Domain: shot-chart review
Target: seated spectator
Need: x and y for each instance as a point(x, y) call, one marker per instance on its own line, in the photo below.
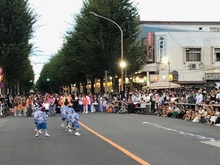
point(188, 115)
point(182, 112)
point(198, 114)
point(115, 106)
point(167, 111)
point(164, 111)
point(214, 116)
point(175, 111)
point(109, 107)
point(206, 115)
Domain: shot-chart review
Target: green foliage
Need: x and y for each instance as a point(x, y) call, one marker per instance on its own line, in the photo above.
point(16, 26)
point(94, 44)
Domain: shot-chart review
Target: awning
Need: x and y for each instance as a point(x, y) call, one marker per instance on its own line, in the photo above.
point(148, 68)
point(161, 85)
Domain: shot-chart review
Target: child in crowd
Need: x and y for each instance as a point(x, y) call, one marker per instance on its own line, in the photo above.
point(41, 121)
point(64, 110)
point(75, 121)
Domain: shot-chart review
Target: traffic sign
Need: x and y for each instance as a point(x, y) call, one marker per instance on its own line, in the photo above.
point(1, 84)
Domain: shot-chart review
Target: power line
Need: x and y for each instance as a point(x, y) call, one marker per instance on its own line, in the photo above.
point(38, 63)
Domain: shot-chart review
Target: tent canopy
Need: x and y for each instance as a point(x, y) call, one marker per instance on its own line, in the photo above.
point(161, 85)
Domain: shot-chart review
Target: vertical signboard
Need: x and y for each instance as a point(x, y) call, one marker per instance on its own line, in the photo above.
point(161, 44)
point(149, 52)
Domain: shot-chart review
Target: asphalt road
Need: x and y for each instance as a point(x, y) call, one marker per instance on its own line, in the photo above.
point(110, 139)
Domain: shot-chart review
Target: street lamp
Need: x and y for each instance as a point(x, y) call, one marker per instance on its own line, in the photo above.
point(166, 61)
point(122, 63)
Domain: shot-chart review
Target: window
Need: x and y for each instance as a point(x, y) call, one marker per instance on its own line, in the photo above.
point(193, 54)
point(217, 54)
point(214, 29)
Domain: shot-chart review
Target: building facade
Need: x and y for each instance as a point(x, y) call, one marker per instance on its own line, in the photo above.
point(192, 50)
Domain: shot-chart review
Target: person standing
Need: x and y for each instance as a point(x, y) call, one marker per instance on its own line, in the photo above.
point(80, 101)
point(75, 101)
point(85, 104)
point(51, 101)
point(29, 106)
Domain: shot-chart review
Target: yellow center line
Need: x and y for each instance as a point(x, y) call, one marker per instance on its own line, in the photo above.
point(133, 156)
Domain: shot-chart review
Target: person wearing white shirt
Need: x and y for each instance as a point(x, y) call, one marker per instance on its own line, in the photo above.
point(199, 97)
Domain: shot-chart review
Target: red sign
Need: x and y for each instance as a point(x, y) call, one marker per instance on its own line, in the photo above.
point(1, 84)
point(150, 48)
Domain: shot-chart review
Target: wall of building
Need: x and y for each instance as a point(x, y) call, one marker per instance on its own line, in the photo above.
point(176, 44)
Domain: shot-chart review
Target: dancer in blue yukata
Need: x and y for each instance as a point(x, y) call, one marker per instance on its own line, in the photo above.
point(41, 121)
point(75, 121)
point(70, 112)
point(64, 111)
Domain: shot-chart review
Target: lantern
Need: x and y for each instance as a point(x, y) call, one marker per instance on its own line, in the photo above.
point(126, 80)
point(170, 77)
point(164, 78)
point(98, 84)
point(145, 79)
point(119, 80)
point(137, 79)
point(155, 79)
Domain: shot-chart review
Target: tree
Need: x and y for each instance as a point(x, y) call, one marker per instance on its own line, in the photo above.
point(16, 26)
point(93, 44)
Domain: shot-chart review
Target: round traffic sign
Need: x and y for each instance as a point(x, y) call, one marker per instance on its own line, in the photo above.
point(1, 84)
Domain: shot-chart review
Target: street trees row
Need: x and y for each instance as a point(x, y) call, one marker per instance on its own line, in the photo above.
point(17, 21)
point(93, 46)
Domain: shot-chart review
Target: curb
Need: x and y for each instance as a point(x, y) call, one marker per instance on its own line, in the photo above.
point(7, 114)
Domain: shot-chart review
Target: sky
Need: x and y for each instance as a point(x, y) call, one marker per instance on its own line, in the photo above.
point(57, 16)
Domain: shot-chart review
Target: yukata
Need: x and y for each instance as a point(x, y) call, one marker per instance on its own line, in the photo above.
point(64, 111)
point(35, 115)
point(75, 120)
point(41, 119)
point(70, 111)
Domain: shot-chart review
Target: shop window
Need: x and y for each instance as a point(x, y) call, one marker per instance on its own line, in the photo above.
point(217, 54)
point(193, 54)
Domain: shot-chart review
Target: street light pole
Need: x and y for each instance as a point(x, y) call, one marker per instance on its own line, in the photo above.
point(122, 63)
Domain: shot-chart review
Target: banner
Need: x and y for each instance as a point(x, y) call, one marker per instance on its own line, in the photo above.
point(161, 47)
point(149, 52)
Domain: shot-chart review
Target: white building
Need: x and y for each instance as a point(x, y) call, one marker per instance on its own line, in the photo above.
point(192, 49)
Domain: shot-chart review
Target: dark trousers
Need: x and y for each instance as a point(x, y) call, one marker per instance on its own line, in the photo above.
point(152, 106)
point(29, 111)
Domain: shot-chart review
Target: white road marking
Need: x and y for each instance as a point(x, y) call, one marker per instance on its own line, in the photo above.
point(200, 137)
point(216, 144)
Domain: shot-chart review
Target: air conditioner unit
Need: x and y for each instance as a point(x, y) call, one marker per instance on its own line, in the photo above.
point(193, 66)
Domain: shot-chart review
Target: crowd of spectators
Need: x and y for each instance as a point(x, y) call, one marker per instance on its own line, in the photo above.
point(196, 105)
